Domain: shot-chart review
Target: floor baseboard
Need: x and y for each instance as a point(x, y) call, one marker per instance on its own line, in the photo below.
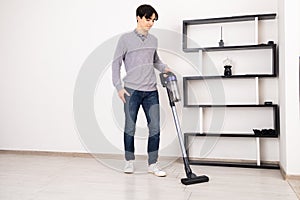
point(81, 155)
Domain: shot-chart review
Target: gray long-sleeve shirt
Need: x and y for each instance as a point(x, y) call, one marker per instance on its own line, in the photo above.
point(139, 54)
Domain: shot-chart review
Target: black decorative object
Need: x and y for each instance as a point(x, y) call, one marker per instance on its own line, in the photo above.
point(265, 133)
point(227, 70)
point(227, 67)
point(221, 43)
point(268, 103)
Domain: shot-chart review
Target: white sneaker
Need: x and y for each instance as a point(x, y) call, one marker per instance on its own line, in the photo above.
point(154, 169)
point(129, 168)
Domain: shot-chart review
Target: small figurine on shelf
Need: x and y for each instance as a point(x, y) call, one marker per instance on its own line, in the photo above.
point(221, 43)
point(227, 67)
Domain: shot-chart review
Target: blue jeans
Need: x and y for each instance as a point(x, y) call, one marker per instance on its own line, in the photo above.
point(150, 104)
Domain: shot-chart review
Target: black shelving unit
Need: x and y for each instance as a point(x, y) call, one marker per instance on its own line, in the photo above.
point(186, 79)
point(229, 19)
point(272, 47)
point(263, 165)
point(273, 74)
point(188, 135)
point(228, 135)
point(231, 48)
point(187, 23)
point(248, 164)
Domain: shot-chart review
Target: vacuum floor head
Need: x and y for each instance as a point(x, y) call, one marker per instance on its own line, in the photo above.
point(194, 180)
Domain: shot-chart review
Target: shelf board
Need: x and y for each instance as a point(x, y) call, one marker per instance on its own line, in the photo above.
point(225, 77)
point(234, 164)
point(234, 105)
point(229, 135)
point(231, 48)
point(230, 19)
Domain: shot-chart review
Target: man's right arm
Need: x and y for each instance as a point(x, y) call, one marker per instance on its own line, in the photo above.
point(116, 69)
point(117, 63)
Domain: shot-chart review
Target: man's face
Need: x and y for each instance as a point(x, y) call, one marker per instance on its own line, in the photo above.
point(146, 24)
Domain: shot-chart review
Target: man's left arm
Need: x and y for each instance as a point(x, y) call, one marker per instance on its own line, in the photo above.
point(159, 65)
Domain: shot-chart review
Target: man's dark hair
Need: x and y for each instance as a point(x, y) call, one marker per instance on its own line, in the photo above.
point(146, 11)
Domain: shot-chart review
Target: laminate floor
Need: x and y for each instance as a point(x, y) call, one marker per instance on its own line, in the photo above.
point(42, 177)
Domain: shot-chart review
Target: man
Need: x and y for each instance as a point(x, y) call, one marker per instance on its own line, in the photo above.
point(138, 51)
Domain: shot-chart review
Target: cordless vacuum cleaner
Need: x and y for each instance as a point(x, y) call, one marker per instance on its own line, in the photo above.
point(169, 81)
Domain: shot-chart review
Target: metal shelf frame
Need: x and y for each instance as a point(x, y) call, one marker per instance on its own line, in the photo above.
point(187, 23)
point(273, 74)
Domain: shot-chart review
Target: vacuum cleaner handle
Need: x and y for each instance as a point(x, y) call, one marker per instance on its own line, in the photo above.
point(169, 81)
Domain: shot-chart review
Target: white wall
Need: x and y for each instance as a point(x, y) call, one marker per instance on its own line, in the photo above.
point(289, 42)
point(44, 44)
